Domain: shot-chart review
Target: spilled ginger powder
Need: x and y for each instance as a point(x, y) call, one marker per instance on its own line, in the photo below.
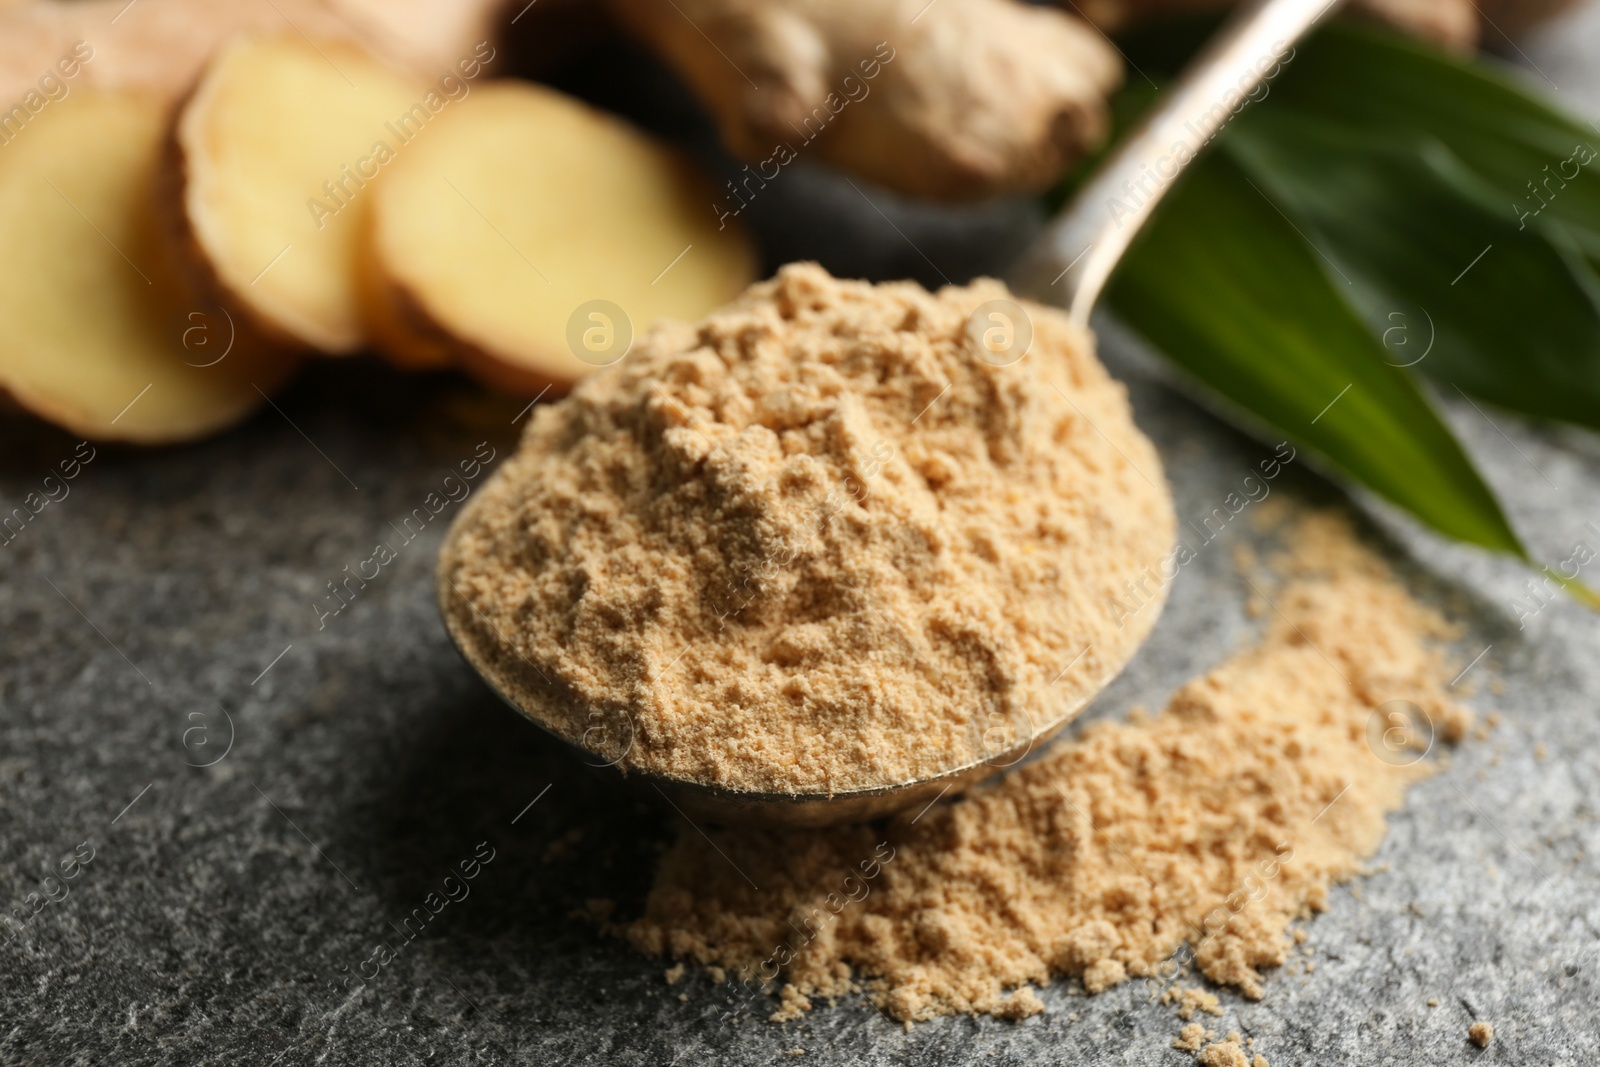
point(817, 543)
point(1214, 825)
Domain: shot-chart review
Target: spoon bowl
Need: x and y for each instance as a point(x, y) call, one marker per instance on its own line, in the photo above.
point(704, 802)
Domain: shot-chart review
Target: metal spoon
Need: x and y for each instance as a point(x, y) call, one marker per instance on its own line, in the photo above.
point(1073, 259)
point(1068, 267)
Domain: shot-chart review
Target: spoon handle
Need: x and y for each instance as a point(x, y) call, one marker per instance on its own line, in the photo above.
point(1072, 260)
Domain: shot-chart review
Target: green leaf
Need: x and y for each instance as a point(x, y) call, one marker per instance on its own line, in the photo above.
point(1447, 284)
point(1227, 289)
point(1332, 238)
point(1389, 86)
point(1329, 145)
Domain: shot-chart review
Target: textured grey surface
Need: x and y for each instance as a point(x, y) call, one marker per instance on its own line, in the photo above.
point(223, 904)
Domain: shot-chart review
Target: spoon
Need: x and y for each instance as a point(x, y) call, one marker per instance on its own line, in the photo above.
point(1081, 247)
point(1068, 266)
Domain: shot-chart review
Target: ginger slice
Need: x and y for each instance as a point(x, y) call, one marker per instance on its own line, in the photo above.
point(277, 152)
point(96, 340)
point(529, 227)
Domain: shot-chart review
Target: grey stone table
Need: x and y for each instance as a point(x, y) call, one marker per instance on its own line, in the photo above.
point(251, 794)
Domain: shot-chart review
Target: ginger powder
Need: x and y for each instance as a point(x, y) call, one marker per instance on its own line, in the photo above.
point(828, 539)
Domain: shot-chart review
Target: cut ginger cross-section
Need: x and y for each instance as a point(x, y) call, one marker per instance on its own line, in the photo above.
point(279, 149)
point(530, 237)
point(95, 337)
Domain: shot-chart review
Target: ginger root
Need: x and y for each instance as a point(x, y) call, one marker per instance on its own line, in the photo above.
point(954, 99)
point(950, 99)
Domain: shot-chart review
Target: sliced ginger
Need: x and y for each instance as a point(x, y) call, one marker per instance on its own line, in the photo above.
point(498, 233)
point(279, 148)
point(96, 340)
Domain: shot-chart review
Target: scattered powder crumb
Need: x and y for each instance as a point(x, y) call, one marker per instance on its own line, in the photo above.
point(716, 974)
point(791, 1004)
point(673, 973)
point(1104, 973)
point(1540, 752)
point(1480, 1034)
point(1433, 1002)
point(1228, 1053)
point(1190, 1038)
point(1216, 823)
point(1020, 1004)
point(818, 542)
point(1223, 1054)
point(1191, 1000)
point(1492, 720)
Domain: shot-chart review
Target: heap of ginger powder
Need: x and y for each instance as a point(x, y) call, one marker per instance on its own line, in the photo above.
point(1136, 851)
point(824, 540)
